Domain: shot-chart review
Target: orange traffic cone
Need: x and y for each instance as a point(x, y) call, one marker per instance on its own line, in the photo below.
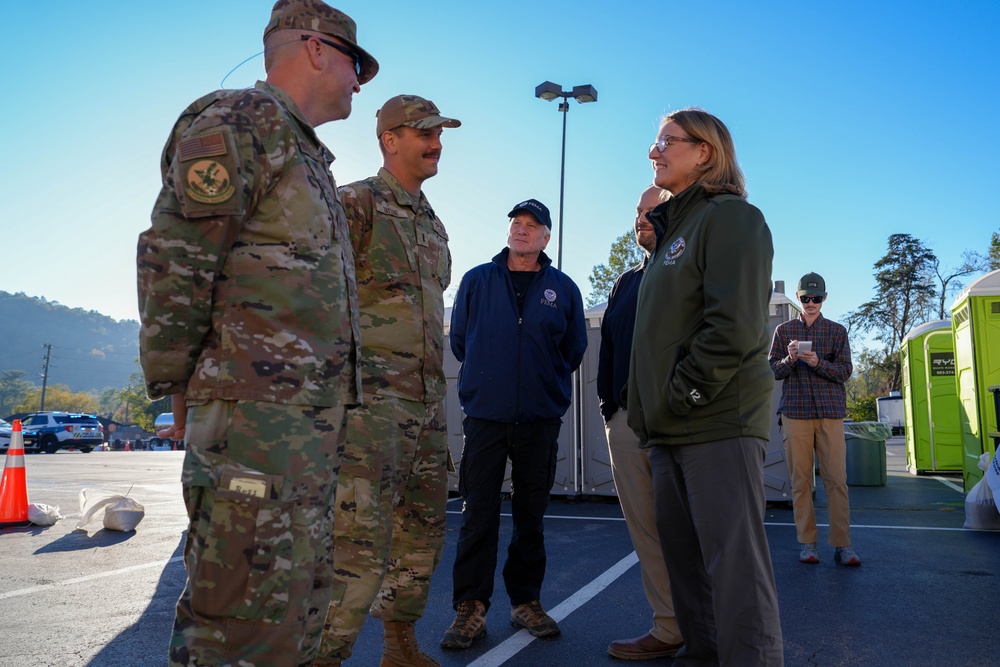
point(14, 486)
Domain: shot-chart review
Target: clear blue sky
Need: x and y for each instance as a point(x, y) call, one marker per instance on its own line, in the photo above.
point(852, 121)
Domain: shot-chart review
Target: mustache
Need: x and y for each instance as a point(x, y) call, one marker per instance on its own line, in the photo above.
point(435, 154)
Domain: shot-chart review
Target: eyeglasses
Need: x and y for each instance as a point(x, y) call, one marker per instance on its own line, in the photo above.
point(811, 299)
point(668, 140)
point(343, 49)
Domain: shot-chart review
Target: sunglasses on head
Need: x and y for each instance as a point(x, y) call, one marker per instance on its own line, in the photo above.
point(811, 299)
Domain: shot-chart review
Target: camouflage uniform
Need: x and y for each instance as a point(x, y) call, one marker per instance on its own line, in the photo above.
point(248, 304)
point(393, 487)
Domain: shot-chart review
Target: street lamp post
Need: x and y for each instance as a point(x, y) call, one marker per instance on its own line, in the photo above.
point(549, 91)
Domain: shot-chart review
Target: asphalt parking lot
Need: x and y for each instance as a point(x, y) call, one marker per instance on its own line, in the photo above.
point(927, 593)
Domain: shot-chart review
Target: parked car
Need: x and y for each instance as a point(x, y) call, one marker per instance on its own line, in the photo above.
point(162, 421)
point(30, 437)
point(65, 430)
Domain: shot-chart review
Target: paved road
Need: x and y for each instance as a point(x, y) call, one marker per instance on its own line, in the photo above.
point(927, 593)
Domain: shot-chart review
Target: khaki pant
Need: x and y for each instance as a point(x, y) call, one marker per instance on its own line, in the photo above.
point(634, 481)
point(826, 437)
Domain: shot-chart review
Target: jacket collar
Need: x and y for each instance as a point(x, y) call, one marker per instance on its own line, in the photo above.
point(296, 112)
point(404, 198)
point(678, 205)
point(802, 318)
point(500, 259)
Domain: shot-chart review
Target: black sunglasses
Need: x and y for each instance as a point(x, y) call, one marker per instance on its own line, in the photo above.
point(811, 299)
point(343, 49)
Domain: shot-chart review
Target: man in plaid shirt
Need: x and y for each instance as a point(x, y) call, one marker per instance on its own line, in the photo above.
point(813, 356)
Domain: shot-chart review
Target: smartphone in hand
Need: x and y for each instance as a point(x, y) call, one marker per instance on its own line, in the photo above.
point(805, 346)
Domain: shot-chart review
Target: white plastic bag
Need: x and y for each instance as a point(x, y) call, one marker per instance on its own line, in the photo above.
point(980, 507)
point(43, 515)
point(992, 475)
point(120, 513)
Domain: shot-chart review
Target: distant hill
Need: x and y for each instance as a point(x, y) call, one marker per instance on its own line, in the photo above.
point(90, 351)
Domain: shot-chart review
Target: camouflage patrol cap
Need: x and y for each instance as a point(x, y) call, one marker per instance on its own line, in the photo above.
point(811, 284)
point(411, 111)
point(317, 16)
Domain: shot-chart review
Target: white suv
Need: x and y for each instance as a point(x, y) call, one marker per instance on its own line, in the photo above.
point(164, 420)
point(65, 430)
point(29, 439)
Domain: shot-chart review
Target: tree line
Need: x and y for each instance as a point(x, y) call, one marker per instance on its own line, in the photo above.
point(125, 405)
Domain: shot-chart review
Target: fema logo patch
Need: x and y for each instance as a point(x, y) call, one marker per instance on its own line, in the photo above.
point(550, 295)
point(675, 250)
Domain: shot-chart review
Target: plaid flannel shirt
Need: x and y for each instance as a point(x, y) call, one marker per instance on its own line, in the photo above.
point(812, 393)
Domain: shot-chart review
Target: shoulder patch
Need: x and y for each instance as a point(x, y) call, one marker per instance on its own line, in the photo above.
point(204, 146)
point(208, 182)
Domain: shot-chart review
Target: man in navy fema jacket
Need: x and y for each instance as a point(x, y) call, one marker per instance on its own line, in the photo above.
point(518, 328)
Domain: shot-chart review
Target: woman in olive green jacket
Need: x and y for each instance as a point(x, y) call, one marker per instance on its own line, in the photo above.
point(699, 393)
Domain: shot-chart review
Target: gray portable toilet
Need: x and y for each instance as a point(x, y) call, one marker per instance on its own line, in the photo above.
point(777, 483)
point(595, 459)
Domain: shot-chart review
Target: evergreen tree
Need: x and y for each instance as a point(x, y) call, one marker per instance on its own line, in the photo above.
point(625, 253)
point(904, 297)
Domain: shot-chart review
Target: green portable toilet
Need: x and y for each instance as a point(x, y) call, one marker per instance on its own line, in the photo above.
point(975, 318)
point(930, 399)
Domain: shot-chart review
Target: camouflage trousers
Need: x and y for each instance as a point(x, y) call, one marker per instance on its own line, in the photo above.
point(259, 484)
point(390, 517)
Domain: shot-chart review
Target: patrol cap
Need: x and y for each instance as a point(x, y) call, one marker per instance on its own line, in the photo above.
point(317, 16)
point(535, 208)
point(411, 111)
point(813, 284)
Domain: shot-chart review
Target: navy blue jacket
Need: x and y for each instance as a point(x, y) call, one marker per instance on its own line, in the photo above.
point(617, 327)
point(517, 369)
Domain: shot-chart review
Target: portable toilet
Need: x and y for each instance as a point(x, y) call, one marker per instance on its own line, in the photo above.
point(777, 483)
point(930, 399)
point(975, 317)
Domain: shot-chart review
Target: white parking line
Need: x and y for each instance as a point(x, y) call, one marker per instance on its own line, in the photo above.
point(854, 525)
point(950, 484)
point(506, 650)
point(89, 577)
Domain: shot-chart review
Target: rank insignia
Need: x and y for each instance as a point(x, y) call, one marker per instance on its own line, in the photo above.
point(208, 182)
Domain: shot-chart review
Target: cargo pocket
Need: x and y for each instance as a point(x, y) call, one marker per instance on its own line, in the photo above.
point(244, 568)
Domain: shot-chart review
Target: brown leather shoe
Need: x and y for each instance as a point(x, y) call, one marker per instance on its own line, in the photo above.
point(642, 648)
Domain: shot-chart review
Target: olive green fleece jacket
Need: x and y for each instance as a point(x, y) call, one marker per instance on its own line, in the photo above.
point(699, 369)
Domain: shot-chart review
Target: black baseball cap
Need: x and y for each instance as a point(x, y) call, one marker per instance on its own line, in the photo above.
point(535, 208)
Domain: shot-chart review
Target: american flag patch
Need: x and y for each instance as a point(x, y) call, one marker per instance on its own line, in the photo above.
point(209, 145)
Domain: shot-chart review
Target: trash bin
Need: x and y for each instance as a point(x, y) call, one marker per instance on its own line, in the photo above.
point(866, 452)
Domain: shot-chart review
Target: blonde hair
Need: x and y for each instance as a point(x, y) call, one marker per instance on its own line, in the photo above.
point(720, 174)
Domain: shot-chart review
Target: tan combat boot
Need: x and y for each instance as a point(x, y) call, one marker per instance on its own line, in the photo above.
point(401, 648)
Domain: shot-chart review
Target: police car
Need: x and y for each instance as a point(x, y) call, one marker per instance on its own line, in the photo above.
point(30, 438)
point(65, 430)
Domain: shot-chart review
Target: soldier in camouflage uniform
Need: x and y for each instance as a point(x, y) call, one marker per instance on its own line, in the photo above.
point(393, 487)
point(249, 312)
